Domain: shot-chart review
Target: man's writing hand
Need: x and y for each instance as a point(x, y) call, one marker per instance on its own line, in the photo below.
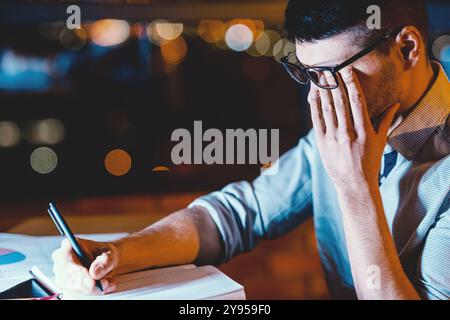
point(71, 275)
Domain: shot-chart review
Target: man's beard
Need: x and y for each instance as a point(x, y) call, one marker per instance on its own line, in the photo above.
point(387, 94)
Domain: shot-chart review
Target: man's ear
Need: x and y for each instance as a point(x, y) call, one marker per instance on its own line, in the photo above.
point(410, 46)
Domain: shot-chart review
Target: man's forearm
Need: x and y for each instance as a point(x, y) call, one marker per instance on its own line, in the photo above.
point(186, 236)
point(371, 248)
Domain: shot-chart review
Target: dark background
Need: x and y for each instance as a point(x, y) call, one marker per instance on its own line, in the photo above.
point(121, 97)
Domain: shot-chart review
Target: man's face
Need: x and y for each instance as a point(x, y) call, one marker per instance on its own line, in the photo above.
point(378, 73)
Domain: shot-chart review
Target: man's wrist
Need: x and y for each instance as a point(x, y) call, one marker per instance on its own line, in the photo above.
point(118, 246)
point(358, 189)
point(357, 198)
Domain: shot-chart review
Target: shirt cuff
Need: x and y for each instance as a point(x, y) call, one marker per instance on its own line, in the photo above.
point(214, 213)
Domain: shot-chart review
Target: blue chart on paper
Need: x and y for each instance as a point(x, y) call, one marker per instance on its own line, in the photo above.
point(8, 256)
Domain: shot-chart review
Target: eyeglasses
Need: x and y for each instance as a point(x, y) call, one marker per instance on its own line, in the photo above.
point(325, 77)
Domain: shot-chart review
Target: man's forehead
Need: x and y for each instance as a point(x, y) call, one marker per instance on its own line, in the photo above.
point(325, 52)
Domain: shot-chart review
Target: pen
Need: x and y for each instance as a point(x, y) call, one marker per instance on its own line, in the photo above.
point(64, 229)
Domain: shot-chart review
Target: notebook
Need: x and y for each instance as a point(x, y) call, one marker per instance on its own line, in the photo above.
point(187, 282)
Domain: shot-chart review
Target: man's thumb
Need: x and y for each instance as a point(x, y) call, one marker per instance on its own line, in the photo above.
point(387, 119)
point(101, 266)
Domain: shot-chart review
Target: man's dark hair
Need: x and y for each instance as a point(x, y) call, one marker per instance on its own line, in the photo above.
point(311, 20)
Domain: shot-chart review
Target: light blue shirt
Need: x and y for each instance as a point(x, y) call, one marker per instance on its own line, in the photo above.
point(415, 194)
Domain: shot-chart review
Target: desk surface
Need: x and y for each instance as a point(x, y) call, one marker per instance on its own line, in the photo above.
point(39, 226)
point(123, 213)
point(285, 268)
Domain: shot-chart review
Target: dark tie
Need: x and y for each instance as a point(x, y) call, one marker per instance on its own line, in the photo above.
point(389, 162)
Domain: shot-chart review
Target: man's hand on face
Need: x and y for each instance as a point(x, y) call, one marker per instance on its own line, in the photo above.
point(350, 148)
point(71, 275)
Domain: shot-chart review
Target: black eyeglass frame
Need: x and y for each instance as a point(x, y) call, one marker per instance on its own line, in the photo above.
point(287, 65)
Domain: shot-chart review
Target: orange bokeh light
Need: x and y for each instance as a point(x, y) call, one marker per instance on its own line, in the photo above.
point(211, 30)
point(174, 51)
point(118, 162)
point(160, 168)
point(109, 32)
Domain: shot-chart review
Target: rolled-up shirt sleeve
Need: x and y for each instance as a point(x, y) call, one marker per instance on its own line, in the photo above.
point(270, 206)
point(433, 274)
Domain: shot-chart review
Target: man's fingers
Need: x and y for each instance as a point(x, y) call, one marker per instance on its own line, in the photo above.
point(63, 255)
point(102, 265)
point(387, 119)
point(56, 255)
point(80, 281)
point(75, 278)
point(65, 245)
point(341, 105)
point(111, 287)
point(326, 102)
point(357, 101)
point(316, 112)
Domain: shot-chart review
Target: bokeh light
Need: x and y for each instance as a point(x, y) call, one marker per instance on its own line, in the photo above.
point(43, 160)
point(256, 26)
point(73, 39)
point(160, 169)
point(48, 131)
point(137, 30)
point(289, 47)
point(264, 44)
point(109, 32)
point(441, 48)
point(211, 31)
point(153, 34)
point(118, 162)
point(274, 38)
point(239, 37)
point(169, 31)
point(174, 51)
point(259, 27)
point(282, 48)
point(9, 134)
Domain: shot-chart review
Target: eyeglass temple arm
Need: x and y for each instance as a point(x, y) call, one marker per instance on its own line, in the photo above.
point(364, 52)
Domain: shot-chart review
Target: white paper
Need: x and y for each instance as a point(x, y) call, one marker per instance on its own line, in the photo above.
point(185, 283)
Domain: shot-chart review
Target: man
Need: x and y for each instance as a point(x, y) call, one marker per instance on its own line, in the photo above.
point(374, 173)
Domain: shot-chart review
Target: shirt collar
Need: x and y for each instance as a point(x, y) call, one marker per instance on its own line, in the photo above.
point(430, 113)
